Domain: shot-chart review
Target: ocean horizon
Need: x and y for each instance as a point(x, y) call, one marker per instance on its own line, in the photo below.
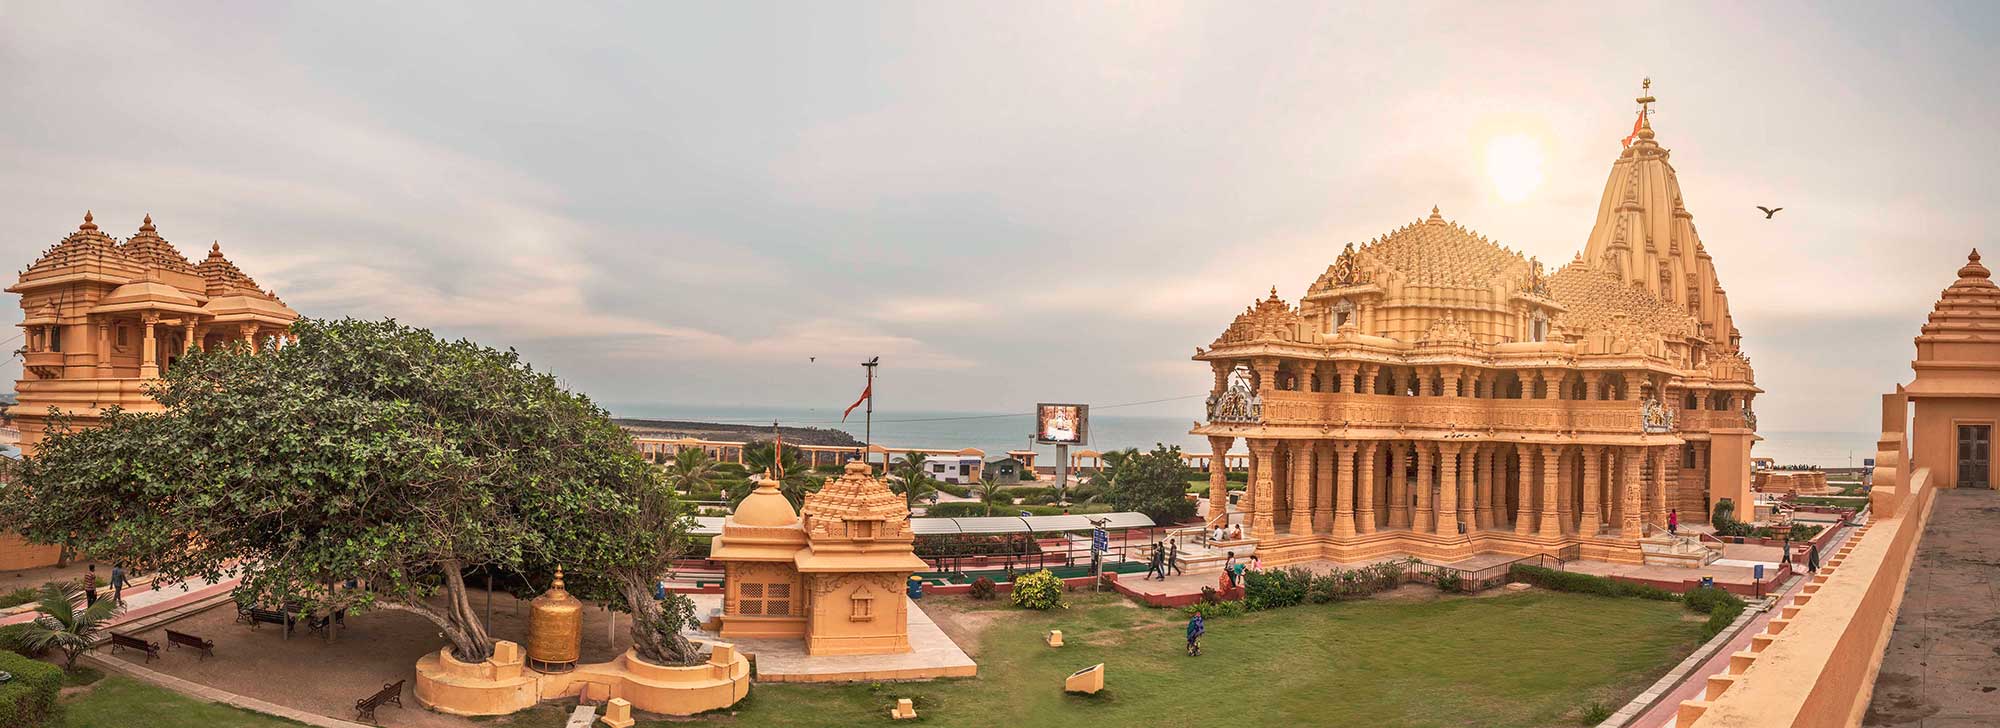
point(996, 432)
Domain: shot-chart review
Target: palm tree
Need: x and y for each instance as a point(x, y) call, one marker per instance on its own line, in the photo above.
point(691, 470)
point(61, 626)
point(912, 482)
point(795, 480)
point(987, 490)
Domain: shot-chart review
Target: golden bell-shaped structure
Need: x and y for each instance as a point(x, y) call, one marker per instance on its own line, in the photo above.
point(555, 629)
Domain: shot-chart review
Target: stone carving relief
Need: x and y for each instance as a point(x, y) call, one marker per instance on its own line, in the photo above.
point(1655, 418)
point(1238, 401)
point(1343, 267)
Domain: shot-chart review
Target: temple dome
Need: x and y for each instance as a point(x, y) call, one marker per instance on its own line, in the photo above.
point(1432, 251)
point(765, 506)
point(147, 296)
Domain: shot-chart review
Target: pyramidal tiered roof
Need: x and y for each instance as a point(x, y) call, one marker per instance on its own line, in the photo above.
point(1430, 251)
point(150, 274)
point(1597, 300)
point(224, 277)
point(88, 246)
point(1968, 310)
point(1270, 319)
point(855, 496)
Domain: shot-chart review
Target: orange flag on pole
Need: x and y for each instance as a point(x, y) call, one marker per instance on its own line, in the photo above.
point(1636, 123)
point(866, 392)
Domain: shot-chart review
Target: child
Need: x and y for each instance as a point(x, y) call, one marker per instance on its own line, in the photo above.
point(1673, 522)
point(1195, 629)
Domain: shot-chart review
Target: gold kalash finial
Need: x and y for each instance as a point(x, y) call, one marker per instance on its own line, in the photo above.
point(1645, 94)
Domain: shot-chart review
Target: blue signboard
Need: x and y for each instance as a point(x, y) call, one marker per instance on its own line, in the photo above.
point(1099, 540)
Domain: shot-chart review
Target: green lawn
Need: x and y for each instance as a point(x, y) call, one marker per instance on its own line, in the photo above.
point(1528, 659)
point(121, 702)
point(1531, 659)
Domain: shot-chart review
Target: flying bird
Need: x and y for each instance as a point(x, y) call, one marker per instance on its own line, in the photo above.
point(811, 359)
point(1769, 211)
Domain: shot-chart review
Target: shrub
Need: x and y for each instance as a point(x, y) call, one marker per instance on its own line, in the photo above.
point(29, 698)
point(1805, 532)
point(982, 588)
point(1552, 579)
point(1274, 588)
point(1040, 590)
point(10, 641)
point(1215, 609)
point(18, 597)
point(956, 490)
point(1721, 607)
point(961, 510)
point(1594, 713)
point(1447, 580)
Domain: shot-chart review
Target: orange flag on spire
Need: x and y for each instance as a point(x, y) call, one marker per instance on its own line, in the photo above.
point(1636, 123)
point(866, 392)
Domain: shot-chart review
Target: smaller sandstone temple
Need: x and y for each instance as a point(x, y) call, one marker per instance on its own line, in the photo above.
point(103, 316)
point(1956, 391)
point(831, 574)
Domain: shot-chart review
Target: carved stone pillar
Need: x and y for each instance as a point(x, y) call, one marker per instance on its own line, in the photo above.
point(1593, 483)
point(1629, 389)
point(1301, 454)
point(1448, 485)
point(1344, 379)
point(1368, 374)
point(1551, 383)
point(1468, 487)
point(193, 336)
point(1448, 378)
point(1592, 384)
point(1221, 370)
point(1364, 496)
point(1399, 484)
point(1323, 485)
point(1551, 521)
point(250, 336)
point(1657, 501)
point(1263, 457)
point(1267, 375)
point(1633, 525)
point(1343, 490)
point(149, 359)
point(1524, 509)
point(1482, 510)
point(1218, 479)
point(1424, 521)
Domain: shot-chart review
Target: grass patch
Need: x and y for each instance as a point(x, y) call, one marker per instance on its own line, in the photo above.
point(1527, 659)
point(82, 676)
point(18, 597)
point(120, 702)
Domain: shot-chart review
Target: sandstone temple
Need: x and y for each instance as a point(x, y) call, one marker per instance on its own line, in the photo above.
point(1437, 394)
point(104, 316)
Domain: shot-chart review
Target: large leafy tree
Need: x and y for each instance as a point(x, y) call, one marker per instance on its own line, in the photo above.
point(1153, 483)
point(365, 464)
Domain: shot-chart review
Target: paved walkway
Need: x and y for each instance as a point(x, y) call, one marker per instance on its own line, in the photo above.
point(1695, 680)
point(1942, 665)
point(932, 654)
point(149, 600)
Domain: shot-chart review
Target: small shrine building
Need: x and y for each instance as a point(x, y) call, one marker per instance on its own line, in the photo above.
point(1437, 394)
point(1955, 396)
point(102, 317)
point(831, 573)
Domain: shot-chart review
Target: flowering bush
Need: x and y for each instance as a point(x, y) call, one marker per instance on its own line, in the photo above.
point(1040, 590)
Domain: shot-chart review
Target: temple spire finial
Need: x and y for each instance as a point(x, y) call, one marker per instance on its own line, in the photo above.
point(1645, 101)
point(87, 224)
point(146, 226)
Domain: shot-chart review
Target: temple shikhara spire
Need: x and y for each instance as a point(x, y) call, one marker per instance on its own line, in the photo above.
point(1436, 393)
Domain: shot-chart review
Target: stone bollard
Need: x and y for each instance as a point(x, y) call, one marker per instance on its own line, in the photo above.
point(1054, 638)
point(618, 713)
point(904, 709)
point(1088, 680)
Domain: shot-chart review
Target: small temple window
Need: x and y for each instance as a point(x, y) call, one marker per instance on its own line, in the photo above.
point(1538, 328)
point(55, 338)
point(121, 336)
point(1687, 455)
point(1691, 402)
point(861, 607)
point(860, 529)
point(750, 599)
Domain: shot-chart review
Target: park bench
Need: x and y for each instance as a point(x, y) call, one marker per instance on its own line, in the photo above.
point(183, 639)
point(364, 709)
point(257, 617)
point(121, 641)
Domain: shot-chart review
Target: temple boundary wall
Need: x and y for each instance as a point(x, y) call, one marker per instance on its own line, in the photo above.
point(1831, 636)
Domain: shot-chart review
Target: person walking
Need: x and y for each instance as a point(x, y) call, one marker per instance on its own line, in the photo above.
point(1812, 559)
point(90, 586)
point(1196, 627)
point(1229, 569)
point(118, 582)
point(1673, 522)
point(1154, 565)
point(1174, 556)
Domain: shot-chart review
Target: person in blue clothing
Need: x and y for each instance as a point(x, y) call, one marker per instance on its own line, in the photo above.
point(1196, 627)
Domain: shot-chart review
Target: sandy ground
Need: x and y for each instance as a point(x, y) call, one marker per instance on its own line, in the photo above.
point(1942, 666)
point(309, 673)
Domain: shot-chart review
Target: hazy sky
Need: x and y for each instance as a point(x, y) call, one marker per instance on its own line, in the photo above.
point(1009, 202)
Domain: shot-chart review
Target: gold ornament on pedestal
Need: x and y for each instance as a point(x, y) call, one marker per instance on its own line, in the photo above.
point(555, 629)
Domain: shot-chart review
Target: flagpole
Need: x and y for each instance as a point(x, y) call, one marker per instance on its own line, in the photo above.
point(868, 426)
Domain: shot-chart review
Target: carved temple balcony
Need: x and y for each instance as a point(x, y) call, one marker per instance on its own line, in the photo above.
point(1316, 409)
point(1705, 420)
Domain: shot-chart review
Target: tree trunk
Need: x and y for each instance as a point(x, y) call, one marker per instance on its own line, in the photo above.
point(656, 635)
point(457, 620)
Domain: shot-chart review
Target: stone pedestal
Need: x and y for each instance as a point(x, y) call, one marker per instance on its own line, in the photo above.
point(497, 686)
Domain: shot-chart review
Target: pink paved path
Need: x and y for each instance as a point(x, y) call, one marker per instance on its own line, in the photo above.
point(1662, 713)
point(148, 600)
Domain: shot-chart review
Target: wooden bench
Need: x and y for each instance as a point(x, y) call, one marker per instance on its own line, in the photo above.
point(364, 709)
point(257, 617)
point(121, 641)
point(183, 639)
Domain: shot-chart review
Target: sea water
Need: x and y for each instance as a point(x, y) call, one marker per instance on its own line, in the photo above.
point(997, 432)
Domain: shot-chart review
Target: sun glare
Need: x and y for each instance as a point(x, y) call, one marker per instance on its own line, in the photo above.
point(1514, 163)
